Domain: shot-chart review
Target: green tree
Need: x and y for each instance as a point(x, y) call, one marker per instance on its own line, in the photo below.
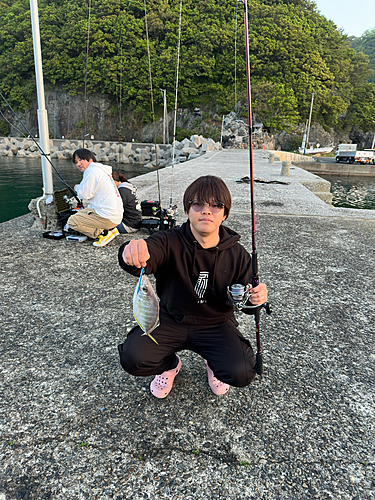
point(294, 52)
point(361, 111)
point(366, 44)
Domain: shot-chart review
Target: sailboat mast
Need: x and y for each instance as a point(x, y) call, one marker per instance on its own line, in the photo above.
point(42, 112)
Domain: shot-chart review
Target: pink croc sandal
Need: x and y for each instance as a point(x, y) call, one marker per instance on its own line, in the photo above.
point(162, 384)
point(217, 387)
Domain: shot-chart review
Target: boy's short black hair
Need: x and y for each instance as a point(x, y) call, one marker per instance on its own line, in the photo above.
point(206, 189)
point(83, 154)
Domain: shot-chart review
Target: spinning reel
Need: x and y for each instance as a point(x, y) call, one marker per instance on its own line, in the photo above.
point(239, 296)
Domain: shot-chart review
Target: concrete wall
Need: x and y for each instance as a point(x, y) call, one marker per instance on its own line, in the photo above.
point(343, 169)
point(286, 156)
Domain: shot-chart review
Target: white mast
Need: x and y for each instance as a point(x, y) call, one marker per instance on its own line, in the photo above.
point(42, 112)
point(308, 127)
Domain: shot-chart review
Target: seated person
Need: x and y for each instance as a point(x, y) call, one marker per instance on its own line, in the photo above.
point(132, 216)
point(101, 199)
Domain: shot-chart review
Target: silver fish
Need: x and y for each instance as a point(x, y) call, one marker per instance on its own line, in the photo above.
point(146, 306)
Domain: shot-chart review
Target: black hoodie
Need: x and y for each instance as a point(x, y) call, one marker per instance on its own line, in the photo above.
point(192, 281)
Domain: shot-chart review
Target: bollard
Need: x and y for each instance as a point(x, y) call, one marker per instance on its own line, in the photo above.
point(271, 158)
point(285, 168)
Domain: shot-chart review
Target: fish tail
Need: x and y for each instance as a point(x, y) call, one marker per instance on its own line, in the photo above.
point(152, 338)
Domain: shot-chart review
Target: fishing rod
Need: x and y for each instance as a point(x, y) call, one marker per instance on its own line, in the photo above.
point(239, 294)
point(254, 255)
point(152, 102)
point(166, 216)
point(41, 150)
point(175, 101)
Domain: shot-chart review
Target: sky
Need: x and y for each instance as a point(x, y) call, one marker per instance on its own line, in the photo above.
point(355, 16)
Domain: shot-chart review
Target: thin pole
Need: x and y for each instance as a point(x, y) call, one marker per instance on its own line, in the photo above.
point(86, 73)
point(175, 105)
point(235, 65)
point(42, 112)
point(152, 102)
point(163, 91)
point(308, 126)
point(120, 97)
point(254, 257)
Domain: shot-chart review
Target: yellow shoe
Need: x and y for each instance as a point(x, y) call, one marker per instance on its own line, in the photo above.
point(103, 239)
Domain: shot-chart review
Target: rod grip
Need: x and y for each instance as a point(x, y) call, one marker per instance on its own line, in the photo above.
point(259, 363)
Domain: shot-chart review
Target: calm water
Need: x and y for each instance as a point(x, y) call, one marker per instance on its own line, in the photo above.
point(21, 181)
point(352, 192)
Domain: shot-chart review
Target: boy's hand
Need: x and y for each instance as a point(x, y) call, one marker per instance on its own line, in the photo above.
point(258, 295)
point(136, 253)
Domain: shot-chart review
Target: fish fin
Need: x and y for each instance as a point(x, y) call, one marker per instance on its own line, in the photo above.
point(154, 327)
point(152, 338)
point(140, 326)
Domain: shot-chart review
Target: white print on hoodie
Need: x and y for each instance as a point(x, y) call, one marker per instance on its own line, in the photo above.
point(201, 285)
point(133, 191)
point(99, 189)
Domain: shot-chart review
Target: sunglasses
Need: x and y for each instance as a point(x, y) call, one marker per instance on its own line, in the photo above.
point(198, 206)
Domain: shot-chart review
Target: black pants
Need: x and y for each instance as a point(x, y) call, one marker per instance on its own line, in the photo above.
point(229, 355)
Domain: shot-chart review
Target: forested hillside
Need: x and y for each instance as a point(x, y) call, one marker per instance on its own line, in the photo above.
point(295, 52)
point(366, 44)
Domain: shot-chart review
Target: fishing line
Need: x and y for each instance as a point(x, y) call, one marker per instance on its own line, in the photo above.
point(152, 103)
point(11, 124)
point(235, 63)
point(86, 72)
point(41, 150)
point(175, 106)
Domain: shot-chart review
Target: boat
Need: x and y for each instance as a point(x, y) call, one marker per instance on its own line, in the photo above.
point(313, 151)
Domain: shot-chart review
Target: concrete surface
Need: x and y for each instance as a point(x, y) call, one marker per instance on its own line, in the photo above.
point(75, 426)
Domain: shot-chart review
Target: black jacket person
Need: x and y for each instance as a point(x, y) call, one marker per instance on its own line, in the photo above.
point(193, 266)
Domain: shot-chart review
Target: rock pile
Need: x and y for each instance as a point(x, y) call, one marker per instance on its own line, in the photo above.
point(106, 152)
point(236, 134)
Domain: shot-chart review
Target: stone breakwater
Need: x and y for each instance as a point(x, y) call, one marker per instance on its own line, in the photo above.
point(123, 153)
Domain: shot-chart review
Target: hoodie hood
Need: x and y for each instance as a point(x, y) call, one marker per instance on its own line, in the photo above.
point(107, 169)
point(129, 186)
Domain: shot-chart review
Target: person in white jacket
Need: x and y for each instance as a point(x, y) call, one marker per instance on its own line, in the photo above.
point(101, 199)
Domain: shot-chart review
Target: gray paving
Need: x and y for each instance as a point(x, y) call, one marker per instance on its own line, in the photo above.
point(75, 426)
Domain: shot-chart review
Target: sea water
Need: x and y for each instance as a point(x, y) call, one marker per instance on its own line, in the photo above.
point(352, 191)
point(21, 181)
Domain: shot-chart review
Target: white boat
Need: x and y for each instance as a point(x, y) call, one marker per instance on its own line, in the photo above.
point(314, 151)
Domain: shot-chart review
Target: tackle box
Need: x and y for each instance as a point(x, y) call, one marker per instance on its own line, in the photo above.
point(150, 208)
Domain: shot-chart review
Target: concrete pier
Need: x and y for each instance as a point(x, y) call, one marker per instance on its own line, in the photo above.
point(74, 425)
